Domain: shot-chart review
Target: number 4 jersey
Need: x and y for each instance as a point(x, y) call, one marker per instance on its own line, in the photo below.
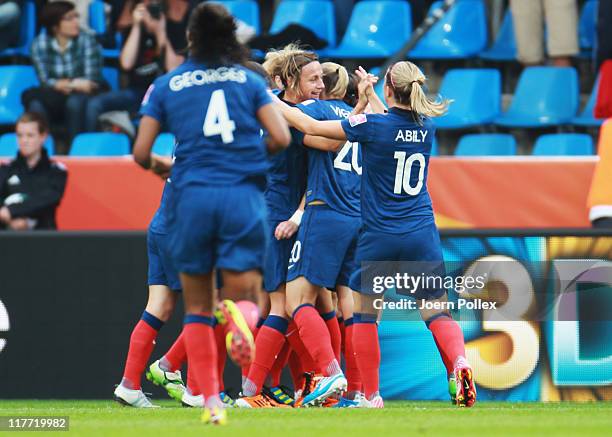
point(333, 177)
point(211, 111)
point(395, 151)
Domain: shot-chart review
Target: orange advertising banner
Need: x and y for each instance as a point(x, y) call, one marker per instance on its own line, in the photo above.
point(520, 192)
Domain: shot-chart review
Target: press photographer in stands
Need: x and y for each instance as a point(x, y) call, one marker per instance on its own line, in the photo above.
point(31, 186)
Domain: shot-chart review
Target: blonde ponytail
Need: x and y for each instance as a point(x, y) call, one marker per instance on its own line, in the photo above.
point(335, 79)
point(406, 81)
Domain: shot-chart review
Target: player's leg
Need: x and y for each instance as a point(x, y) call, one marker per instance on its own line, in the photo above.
point(200, 341)
point(346, 305)
point(160, 306)
point(327, 309)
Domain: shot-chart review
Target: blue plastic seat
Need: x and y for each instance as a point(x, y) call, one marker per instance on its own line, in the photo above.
point(461, 33)
point(544, 96)
point(587, 26)
point(14, 80)
point(504, 47)
point(9, 147)
point(97, 17)
point(564, 144)
point(164, 144)
point(587, 117)
point(316, 15)
point(111, 75)
point(244, 10)
point(100, 144)
point(376, 29)
point(476, 95)
point(27, 32)
point(486, 145)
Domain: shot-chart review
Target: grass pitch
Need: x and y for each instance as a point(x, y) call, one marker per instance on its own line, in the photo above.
point(106, 418)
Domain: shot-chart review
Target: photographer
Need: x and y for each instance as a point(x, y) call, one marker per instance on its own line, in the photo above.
point(148, 52)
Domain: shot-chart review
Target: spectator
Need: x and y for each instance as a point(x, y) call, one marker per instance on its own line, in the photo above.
point(146, 54)
point(9, 22)
point(604, 32)
point(31, 186)
point(561, 25)
point(68, 62)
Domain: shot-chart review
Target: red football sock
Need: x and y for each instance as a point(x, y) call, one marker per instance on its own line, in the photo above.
point(449, 339)
point(352, 370)
point(245, 369)
point(333, 327)
point(202, 354)
point(142, 342)
point(221, 354)
point(297, 345)
point(342, 334)
point(270, 341)
point(296, 370)
point(279, 365)
point(176, 355)
point(367, 355)
point(192, 385)
point(315, 336)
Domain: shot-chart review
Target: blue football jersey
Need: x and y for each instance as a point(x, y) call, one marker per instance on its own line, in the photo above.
point(158, 222)
point(212, 113)
point(286, 180)
point(395, 150)
point(334, 177)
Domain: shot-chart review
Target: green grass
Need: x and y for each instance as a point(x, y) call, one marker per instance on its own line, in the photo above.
point(105, 418)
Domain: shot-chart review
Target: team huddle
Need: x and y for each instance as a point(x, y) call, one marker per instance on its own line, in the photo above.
point(308, 184)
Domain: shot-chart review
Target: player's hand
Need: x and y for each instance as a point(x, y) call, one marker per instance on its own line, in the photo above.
point(63, 86)
point(285, 230)
point(366, 81)
point(85, 86)
point(161, 166)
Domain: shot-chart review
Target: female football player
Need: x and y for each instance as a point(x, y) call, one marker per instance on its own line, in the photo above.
point(398, 221)
point(216, 215)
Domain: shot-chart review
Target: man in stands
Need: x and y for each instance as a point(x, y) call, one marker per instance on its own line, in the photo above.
point(31, 186)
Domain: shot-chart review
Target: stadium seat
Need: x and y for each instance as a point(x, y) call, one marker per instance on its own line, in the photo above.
point(587, 26)
point(476, 95)
point(376, 29)
point(504, 47)
point(111, 75)
point(544, 96)
point(14, 79)
point(27, 32)
point(100, 144)
point(164, 144)
point(316, 15)
point(97, 17)
point(8, 145)
point(461, 33)
point(486, 145)
point(245, 10)
point(564, 144)
point(587, 117)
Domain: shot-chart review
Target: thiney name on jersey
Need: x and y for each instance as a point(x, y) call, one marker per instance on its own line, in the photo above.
point(411, 136)
point(205, 77)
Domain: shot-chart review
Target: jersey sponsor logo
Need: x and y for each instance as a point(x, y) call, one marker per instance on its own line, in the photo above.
point(411, 136)
point(4, 324)
point(14, 180)
point(341, 112)
point(357, 119)
point(205, 77)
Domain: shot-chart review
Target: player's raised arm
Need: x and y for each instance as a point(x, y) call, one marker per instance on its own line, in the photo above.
point(310, 126)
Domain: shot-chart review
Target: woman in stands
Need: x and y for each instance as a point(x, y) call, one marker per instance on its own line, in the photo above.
point(217, 217)
point(398, 222)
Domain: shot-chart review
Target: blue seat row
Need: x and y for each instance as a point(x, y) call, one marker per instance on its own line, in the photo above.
point(505, 145)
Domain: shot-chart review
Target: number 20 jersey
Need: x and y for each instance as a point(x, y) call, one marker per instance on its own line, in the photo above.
point(211, 111)
point(395, 150)
point(334, 177)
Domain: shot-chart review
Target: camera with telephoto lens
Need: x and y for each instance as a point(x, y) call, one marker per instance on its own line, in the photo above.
point(155, 10)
